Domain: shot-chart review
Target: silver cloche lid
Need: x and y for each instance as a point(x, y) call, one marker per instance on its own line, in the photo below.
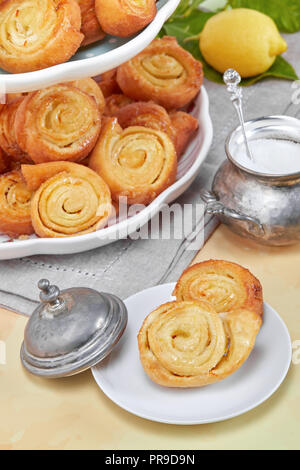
point(71, 330)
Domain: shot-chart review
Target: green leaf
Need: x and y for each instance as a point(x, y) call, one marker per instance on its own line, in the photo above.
point(185, 8)
point(285, 13)
point(280, 69)
point(190, 26)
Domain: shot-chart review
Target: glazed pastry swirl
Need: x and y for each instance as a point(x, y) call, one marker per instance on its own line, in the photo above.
point(179, 126)
point(15, 200)
point(89, 86)
point(187, 338)
point(164, 72)
point(58, 123)
point(70, 200)
point(124, 17)
point(108, 83)
point(7, 131)
point(227, 286)
point(35, 34)
point(114, 103)
point(138, 163)
point(147, 114)
point(90, 26)
point(187, 344)
point(184, 126)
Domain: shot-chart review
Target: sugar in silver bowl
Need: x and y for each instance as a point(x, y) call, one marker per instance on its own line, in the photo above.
point(262, 207)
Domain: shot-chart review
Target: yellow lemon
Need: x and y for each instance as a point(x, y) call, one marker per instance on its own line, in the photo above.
point(243, 39)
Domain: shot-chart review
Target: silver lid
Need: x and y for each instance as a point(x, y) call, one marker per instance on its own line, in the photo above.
point(71, 330)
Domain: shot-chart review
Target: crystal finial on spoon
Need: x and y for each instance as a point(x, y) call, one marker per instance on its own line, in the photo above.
point(232, 79)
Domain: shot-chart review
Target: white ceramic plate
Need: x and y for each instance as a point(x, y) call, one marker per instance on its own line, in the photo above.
point(188, 168)
point(122, 378)
point(91, 60)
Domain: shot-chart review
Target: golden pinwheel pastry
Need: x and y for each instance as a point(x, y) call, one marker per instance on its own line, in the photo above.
point(15, 201)
point(70, 199)
point(57, 123)
point(148, 114)
point(137, 163)
point(8, 140)
point(108, 83)
point(164, 72)
point(227, 286)
point(179, 126)
point(91, 88)
point(90, 26)
point(187, 344)
point(126, 17)
point(184, 125)
point(35, 34)
point(114, 103)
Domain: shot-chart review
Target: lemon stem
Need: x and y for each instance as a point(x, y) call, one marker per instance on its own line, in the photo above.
point(193, 38)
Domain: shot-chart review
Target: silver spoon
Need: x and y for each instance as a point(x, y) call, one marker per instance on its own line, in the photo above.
point(232, 79)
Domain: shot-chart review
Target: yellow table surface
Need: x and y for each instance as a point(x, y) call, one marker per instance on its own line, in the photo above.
point(73, 413)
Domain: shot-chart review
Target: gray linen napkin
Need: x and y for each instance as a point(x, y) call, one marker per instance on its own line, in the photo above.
point(128, 266)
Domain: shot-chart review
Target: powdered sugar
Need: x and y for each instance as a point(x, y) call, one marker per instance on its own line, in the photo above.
point(272, 156)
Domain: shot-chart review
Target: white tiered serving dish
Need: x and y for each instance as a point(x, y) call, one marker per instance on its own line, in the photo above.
point(91, 60)
point(188, 168)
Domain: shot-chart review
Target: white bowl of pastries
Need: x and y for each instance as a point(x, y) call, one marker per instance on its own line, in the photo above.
point(71, 153)
point(44, 42)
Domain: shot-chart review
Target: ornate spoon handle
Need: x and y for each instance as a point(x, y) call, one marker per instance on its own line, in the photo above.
point(232, 79)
